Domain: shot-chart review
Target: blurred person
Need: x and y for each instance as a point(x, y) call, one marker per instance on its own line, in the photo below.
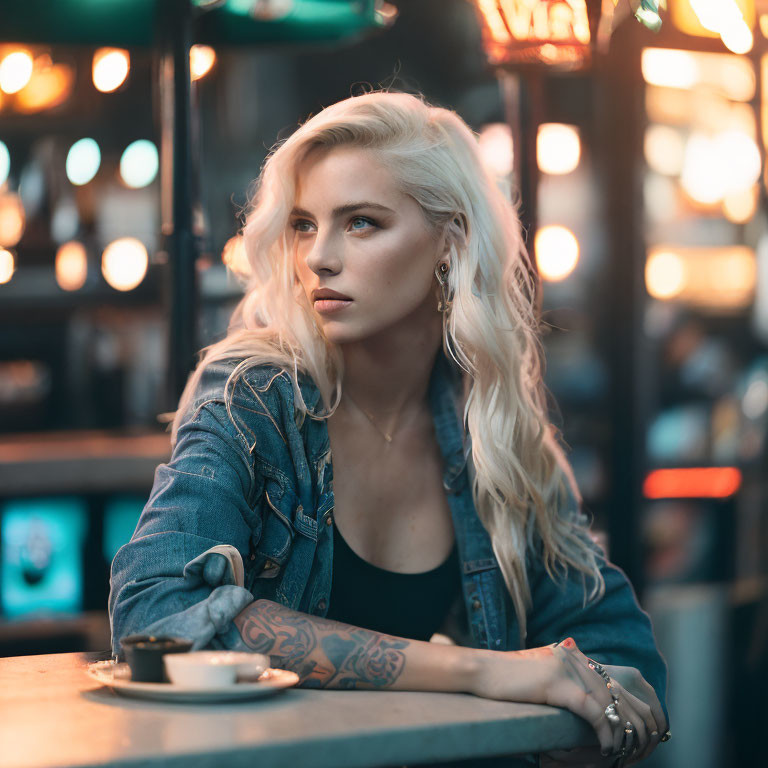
point(387, 277)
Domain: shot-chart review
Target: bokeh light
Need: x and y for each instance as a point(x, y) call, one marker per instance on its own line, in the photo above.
point(83, 160)
point(496, 149)
point(738, 38)
point(709, 13)
point(741, 206)
point(139, 164)
point(558, 148)
point(71, 266)
point(32, 187)
point(124, 263)
point(720, 165)
point(201, 60)
point(669, 68)
point(664, 275)
point(557, 252)
point(7, 265)
point(110, 68)
point(755, 401)
point(65, 219)
point(5, 163)
point(714, 279)
point(235, 258)
point(12, 219)
point(49, 86)
point(15, 71)
point(664, 149)
point(713, 18)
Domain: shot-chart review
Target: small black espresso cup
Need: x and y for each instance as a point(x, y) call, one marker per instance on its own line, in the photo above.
point(144, 654)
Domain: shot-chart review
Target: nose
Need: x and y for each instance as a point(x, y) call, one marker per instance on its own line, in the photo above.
point(323, 254)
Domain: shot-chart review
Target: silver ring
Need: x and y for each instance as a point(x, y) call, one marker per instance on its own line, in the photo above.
point(611, 714)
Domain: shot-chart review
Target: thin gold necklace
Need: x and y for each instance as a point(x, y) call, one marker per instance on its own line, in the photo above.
point(387, 435)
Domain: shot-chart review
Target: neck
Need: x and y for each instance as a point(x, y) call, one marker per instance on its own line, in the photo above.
point(388, 374)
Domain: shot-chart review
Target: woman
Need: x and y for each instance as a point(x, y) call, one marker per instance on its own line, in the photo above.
point(387, 276)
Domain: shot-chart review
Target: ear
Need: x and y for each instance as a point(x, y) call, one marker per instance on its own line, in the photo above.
point(458, 228)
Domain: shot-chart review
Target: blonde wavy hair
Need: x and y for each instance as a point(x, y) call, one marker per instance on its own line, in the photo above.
point(521, 474)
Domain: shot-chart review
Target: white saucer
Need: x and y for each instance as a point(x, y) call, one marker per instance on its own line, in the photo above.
point(117, 677)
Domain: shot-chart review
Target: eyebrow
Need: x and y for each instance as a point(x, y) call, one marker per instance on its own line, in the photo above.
point(343, 209)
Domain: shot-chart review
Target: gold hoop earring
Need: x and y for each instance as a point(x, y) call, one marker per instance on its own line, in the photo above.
point(441, 273)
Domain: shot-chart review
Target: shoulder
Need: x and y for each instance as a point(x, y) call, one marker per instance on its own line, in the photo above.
point(240, 385)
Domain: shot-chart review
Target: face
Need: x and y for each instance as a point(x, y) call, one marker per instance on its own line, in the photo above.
point(353, 231)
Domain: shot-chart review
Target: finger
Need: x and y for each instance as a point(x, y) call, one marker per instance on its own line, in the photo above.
point(625, 709)
point(651, 724)
point(653, 701)
point(627, 712)
point(600, 694)
point(658, 715)
point(582, 700)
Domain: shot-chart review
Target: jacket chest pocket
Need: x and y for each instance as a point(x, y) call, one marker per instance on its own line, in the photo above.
point(272, 548)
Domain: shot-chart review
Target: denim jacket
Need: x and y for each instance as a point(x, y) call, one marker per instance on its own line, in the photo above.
point(243, 509)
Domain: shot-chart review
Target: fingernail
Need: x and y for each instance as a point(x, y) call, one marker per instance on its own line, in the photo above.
point(654, 733)
point(568, 642)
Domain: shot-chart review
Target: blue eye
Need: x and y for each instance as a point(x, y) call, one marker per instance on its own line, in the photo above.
point(297, 224)
point(363, 218)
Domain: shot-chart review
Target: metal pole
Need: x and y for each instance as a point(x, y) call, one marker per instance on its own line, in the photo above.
point(523, 101)
point(177, 192)
point(621, 111)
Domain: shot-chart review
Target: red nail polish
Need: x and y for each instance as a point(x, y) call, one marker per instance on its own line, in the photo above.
point(568, 642)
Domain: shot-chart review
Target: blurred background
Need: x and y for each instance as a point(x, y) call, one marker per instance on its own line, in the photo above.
point(635, 137)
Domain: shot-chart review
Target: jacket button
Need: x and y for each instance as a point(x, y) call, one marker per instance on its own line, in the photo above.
point(253, 557)
point(329, 520)
point(476, 604)
point(321, 605)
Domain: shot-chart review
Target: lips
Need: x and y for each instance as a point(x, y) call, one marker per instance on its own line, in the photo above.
point(327, 293)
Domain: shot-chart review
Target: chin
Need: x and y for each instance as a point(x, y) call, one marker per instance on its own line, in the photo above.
point(340, 335)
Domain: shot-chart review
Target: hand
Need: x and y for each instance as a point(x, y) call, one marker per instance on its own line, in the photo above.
point(559, 675)
point(640, 706)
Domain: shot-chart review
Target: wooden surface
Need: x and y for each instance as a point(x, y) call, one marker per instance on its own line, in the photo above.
point(52, 714)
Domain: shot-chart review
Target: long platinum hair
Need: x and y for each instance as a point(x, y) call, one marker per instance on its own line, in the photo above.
point(492, 330)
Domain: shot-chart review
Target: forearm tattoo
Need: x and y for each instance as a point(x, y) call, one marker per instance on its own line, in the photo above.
point(322, 652)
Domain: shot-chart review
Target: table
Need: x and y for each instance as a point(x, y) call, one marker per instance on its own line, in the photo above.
point(53, 715)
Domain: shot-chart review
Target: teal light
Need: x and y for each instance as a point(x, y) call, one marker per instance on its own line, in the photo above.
point(139, 164)
point(41, 571)
point(5, 163)
point(83, 161)
point(648, 14)
point(131, 23)
point(121, 515)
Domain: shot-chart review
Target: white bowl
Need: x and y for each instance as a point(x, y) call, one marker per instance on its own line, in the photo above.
point(213, 669)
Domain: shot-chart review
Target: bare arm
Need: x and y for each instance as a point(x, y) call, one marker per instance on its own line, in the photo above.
point(331, 654)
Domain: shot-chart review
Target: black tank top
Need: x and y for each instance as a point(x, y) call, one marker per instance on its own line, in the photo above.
point(411, 605)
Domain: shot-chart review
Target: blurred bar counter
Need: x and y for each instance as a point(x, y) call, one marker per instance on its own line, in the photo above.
point(91, 461)
point(68, 501)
